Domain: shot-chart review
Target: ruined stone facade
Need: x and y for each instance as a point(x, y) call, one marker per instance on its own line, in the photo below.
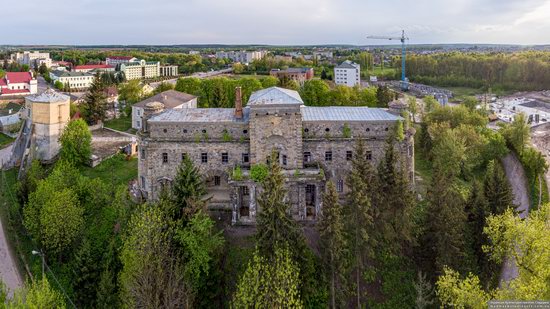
point(313, 144)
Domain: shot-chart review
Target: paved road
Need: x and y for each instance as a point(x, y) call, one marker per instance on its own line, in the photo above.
point(9, 273)
point(518, 181)
point(197, 75)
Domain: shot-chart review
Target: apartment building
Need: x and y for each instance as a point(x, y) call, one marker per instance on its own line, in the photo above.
point(94, 67)
point(348, 74)
point(242, 56)
point(32, 59)
point(140, 69)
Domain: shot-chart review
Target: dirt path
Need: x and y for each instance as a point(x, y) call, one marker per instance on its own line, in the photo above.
point(9, 273)
point(518, 181)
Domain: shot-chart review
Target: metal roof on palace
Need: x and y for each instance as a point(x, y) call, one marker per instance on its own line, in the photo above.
point(200, 115)
point(346, 113)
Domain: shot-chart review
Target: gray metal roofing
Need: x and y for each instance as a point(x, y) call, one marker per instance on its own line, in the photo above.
point(275, 95)
point(48, 96)
point(200, 115)
point(346, 113)
point(70, 74)
point(170, 99)
point(347, 65)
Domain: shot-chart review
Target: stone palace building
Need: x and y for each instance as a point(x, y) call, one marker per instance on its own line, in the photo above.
point(313, 144)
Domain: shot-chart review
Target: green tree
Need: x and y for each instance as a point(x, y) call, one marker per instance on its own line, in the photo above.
point(270, 81)
point(446, 219)
point(384, 96)
point(59, 85)
point(517, 133)
point(274, 223)
point(333, 243)
point(150, 276)
point(163, 87)
point(130, 92)
point(394, 203)
point(461, 293)
point(238, 68)
point(61, 221)
point(76, 143)
point(424, 292)
point(38, 294)
point(248, 85)
point(269, 284)
point(358, 216)
point(30, 180)
point(190, 85)
point(87, 272)
point(200, 243)
point(430, 103)
point(498, 191)
point(470, 102)
point(187, 190)
point(315, 92)
point(95, 103)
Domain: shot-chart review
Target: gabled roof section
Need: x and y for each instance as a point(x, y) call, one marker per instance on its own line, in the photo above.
point(275, 96)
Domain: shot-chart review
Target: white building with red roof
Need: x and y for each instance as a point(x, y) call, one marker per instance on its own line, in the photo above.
point(18, 83)
point(94, 67)
point(115, 60)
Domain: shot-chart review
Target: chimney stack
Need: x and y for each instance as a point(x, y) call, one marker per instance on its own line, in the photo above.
point(238, 103)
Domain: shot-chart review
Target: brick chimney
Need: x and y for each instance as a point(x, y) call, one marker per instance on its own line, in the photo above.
point(238, 103)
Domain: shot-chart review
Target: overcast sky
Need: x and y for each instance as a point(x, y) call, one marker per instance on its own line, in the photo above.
point(89, 22)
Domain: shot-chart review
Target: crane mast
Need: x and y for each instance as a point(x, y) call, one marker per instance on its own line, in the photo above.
point(402, 38)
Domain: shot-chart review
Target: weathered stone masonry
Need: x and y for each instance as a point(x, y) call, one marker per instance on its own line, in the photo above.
point(314, 145)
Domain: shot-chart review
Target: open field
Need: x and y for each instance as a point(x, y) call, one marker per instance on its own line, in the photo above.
point(123, 124)
point(116, 170)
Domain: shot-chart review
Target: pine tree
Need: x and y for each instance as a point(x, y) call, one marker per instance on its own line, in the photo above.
point(333, 244)
point(187, 190)
point(359, 219)
point(445, 222)
point(95, 103)
point(394, 202)
point(274, 223)
point(86, 269)
point(497, 189)
point(107, 296)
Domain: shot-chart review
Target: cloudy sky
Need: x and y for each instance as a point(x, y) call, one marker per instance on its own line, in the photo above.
point(88, 22)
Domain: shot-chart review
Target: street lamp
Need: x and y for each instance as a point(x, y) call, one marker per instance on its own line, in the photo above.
point(34, 252)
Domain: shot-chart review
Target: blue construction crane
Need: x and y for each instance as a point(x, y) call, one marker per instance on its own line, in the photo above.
point(402, 38)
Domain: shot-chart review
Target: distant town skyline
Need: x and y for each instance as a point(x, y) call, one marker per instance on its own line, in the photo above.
point(274, 22)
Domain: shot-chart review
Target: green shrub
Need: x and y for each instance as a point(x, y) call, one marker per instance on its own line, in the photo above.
point(346, 131)
point(258, 172)
point(226, 137)
point(237, 173)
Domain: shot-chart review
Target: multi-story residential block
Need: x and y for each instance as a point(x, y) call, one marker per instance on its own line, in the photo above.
point(322, 55)
point(75, 80)
point(32, 59)
point(169, 70)
point(347, 73)
point(116, 60)
point(313, 145)
point(300, 75)
point(171, 99)
point(94, 67)
point(242, 56)
point(18, 83)
point(140, 69)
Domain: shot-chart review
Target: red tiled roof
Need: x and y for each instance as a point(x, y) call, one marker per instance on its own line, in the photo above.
point(93, 66)
point(14, 91)
point(17, 77)
point(120, 57)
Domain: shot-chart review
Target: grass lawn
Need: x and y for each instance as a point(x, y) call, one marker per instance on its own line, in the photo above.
point(116, 170)
point(5, 140)
point(123, 124)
